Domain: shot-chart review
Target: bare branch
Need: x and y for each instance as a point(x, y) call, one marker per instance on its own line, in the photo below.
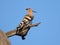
point(11, 33)
point(33, 25)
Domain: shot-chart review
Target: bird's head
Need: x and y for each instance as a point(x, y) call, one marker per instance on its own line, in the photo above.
point(30, 10)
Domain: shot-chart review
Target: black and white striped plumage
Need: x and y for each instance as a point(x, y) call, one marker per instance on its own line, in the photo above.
point(26, 20)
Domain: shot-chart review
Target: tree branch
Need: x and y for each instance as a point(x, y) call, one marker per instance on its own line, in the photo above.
point(12, 33)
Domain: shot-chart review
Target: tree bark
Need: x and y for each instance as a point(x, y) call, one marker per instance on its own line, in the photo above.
point(3, 39)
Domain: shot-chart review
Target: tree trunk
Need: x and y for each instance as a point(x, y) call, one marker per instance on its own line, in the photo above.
point(3, 39)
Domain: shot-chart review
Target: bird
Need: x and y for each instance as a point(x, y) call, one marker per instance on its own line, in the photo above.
point(24, 26)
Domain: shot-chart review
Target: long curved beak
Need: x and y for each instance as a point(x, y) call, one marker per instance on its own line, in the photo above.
point(34, 11)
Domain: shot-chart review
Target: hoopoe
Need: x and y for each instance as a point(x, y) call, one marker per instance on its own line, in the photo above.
point(26, 20)
point(26, 23)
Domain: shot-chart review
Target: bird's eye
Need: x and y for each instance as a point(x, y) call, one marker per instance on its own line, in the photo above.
point(28, 8)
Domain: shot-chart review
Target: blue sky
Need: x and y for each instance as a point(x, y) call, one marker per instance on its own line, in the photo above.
point(48, 13)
